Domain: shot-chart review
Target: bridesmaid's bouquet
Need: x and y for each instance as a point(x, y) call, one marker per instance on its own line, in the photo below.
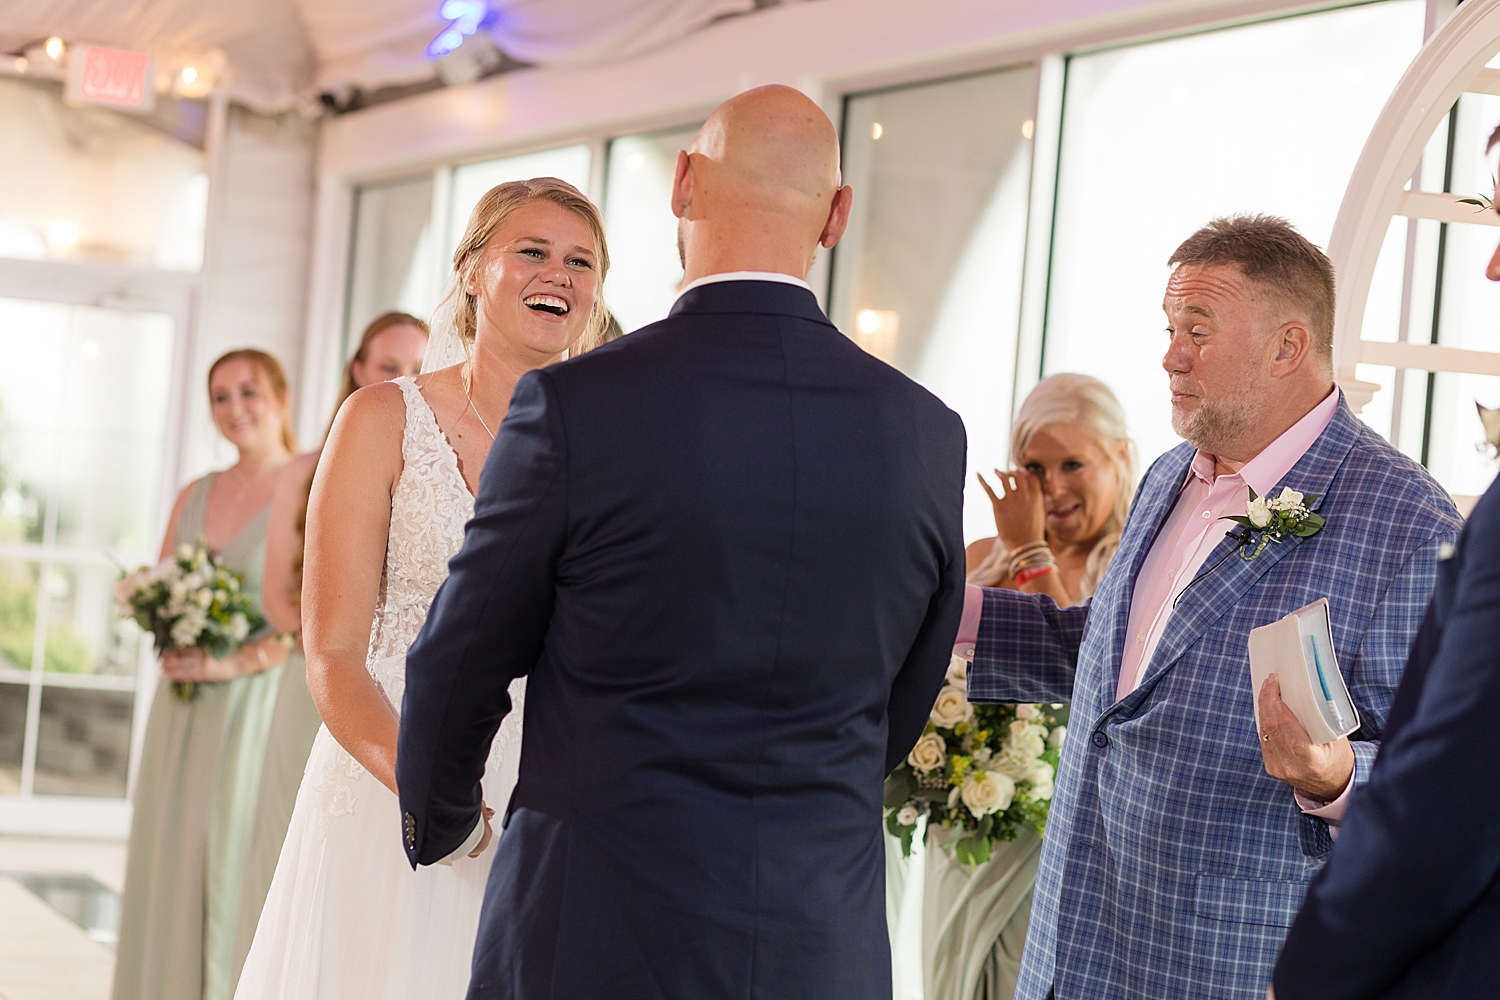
point(979, 773)
point(190, 601)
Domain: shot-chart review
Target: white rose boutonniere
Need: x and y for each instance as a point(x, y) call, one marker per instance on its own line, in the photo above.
point(1271, 519)
point(952, 707)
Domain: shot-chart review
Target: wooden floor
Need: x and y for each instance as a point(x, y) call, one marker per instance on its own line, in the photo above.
point(43, 955)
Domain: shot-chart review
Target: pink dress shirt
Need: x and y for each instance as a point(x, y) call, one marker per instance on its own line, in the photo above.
point(1191, 532)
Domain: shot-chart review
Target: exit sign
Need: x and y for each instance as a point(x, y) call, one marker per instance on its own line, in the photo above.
point(117, 78)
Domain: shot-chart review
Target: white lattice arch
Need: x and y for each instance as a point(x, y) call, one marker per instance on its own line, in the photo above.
point(1450, 64)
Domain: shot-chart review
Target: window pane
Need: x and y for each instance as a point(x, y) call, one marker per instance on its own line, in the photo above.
point(470, 182)
point(83, 743)
point(928, 276)
point(1457, 455)
point(644, 267)
point(18, 590)
point(393, 261)
point(12, 736)
point(1469, 316)
point(82, 436)
point(1160, 138)
point(83, 634)
point(92, 184)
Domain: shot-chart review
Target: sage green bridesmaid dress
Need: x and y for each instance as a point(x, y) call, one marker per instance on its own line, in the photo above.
point(196, 802)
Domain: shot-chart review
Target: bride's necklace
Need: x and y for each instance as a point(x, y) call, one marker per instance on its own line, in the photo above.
point(466, 378)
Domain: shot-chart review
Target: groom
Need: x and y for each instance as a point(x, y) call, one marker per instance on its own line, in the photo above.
point(726, 550)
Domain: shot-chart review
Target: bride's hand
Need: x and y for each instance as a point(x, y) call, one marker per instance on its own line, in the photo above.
point(485, 813)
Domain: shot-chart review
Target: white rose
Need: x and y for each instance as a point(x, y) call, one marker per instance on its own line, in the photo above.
point(985, 792)
point(908, 815)
point(1041, 781)
point(239, 627)
point(1259, 513)
point(1026, 712)
point(951, 708)
point(204, 597)
point(184, 552)
point(1289, 499)
point(930, 753)
point(185, 630)
point(1013, 766)
point(1055, 738)
point(958, 670)
point(983, 755)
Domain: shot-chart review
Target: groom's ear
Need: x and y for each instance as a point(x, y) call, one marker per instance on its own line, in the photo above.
point(682, 185)
point(838, 217)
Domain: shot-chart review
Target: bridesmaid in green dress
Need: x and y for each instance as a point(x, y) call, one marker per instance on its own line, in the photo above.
point(392, 346)
point(201, 766)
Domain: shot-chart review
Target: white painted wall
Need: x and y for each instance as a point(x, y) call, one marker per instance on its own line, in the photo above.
point(254, 291)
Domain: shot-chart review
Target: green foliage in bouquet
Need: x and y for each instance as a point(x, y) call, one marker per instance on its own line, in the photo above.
point(979, 773)
point(190, 601)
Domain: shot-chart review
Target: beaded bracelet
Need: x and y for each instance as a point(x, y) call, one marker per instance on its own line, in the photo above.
point(1032, 572)
point(1030, 556)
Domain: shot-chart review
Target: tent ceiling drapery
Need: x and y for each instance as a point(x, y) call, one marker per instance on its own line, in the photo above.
point(280, 51)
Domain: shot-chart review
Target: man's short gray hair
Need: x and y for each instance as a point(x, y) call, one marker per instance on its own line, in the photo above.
point(1269, 252)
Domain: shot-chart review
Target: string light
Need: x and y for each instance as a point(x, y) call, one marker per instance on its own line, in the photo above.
point(189, 74)
point(464, 18)
point(53, 48)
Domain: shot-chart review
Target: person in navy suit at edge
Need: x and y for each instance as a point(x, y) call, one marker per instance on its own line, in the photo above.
point(727, 552)
point(1409, 903)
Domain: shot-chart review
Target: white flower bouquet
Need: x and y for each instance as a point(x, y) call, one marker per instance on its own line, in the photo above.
point(979, 773)
point(190, 601)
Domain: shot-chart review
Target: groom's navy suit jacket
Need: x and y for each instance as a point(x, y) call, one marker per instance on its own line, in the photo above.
point(727, 552)
point(1408, 907)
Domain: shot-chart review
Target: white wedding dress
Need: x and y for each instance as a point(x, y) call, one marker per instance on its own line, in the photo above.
point(346, 916)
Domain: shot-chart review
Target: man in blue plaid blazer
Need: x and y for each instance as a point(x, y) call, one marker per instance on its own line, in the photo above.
point(1181, 840)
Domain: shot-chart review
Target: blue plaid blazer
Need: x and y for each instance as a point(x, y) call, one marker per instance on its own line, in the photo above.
point(1173, 863)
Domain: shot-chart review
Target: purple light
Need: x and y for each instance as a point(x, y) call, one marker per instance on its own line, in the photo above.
point(464, 17)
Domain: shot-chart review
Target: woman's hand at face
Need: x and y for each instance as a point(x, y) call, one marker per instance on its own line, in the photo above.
point(1020, 511)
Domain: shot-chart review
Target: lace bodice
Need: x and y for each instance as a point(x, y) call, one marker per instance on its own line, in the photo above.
point(429, 508)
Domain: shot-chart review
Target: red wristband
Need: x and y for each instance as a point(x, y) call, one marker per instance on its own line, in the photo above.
point(1031, 573)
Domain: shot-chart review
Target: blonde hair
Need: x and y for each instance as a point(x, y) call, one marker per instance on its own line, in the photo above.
point(275, 375)
point(1069, 398)
point(499, 203)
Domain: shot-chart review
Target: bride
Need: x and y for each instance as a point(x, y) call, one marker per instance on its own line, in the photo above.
point(346, 916)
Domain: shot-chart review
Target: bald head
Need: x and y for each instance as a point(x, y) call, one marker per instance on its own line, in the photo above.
point(760, 186)
point(773, 141)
